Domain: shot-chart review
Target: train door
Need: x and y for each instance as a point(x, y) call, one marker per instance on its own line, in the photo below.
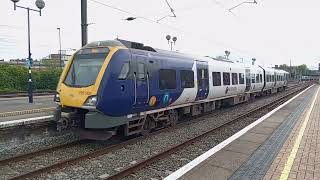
point(141, 81)
point(248, 80)
point(275, 79)
point(203, 80)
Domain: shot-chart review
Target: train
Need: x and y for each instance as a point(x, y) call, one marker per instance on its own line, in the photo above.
point(123, 87)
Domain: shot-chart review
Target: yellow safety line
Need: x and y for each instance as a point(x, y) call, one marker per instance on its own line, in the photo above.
point(287, 168)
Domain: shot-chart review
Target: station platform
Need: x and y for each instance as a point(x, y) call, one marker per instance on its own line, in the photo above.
point(283, 144)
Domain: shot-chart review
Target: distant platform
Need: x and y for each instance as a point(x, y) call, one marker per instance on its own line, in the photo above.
point(283, 144)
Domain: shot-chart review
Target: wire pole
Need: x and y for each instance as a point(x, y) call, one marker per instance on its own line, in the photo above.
point(30, 94)
point(60, 57)
point(84, 24)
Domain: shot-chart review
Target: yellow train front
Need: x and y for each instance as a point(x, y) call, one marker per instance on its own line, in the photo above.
point(83, 78)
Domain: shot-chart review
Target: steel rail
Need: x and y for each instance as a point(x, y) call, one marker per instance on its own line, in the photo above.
point(22, 157)
point(169, 151)
point(112, 148)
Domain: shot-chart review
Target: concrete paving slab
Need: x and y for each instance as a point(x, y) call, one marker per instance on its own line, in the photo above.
point(227, 159)
point(270, 124)
point(242, 146)
point(254, 137)
point(209, 172)
point(262, 130)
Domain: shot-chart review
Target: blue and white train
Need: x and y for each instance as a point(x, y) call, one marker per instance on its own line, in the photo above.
point(125, 87)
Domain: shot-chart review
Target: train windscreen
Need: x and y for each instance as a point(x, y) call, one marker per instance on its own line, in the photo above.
point(85, 67)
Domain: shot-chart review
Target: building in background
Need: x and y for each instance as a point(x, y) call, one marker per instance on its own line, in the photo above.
point(54, 59)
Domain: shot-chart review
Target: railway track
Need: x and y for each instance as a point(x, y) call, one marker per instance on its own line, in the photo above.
point(132, 169)
point(115, 147)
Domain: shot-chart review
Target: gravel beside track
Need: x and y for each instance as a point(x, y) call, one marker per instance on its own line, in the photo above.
point(74, 149)
point(115, 161)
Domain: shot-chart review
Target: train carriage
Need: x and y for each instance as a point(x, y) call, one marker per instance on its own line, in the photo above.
point(120, 86)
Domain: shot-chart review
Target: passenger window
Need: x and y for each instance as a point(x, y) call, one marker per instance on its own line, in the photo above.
point(241, 78)
point(202, 74)
point(234, 78)
point(216, 78)
point(260, 77)
point(167, 79)
point(124, 71)
point(257, 78)
point(187, 79)
point(141, 71)
point(253, 78)
point(226, 78)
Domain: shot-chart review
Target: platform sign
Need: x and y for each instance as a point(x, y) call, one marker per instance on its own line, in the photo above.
point(29, 62)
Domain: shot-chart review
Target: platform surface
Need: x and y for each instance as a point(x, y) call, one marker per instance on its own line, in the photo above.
point(22, 103)
point(271, 149)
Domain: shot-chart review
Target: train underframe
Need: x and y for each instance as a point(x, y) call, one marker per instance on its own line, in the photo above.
point(92, 124)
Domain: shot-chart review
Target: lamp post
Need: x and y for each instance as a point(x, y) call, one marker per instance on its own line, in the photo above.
point(173, 41)
point(40, 4)
point(60, 58)
point(227, 53)
point(84, 24)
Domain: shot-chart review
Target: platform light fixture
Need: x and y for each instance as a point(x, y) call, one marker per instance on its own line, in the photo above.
point(171, 41)
point(40, 5)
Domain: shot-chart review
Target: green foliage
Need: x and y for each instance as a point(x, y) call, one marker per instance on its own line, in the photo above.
point(302, 69)
point(15, 78)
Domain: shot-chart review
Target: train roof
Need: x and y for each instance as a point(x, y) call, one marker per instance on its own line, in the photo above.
point(141, 48)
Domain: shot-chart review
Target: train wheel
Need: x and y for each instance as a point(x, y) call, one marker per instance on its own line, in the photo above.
point(173, 117)
point(148, 126)
point(62, 124)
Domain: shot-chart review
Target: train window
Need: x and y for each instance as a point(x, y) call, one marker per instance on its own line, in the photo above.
point(241, 78)
point(167, 79)
point(202, 73)
point(272, 78)
point(141, 71)
point(226, 78)
point(257, 78)
point(261, 78)
point(202, 77)
point(187, 78)
point(253, 79)
point(267, 78)
point(216, 77)
point(234, 78)
point(124, 71)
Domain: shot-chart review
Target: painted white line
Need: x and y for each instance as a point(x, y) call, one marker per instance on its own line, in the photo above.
point(18, 122)
point(183, 170)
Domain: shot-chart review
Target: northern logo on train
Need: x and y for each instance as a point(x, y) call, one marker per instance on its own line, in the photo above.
point(166, 98)
point(152, 101)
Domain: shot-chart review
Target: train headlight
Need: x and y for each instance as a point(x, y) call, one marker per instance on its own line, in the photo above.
point(56, 97)
point(91, 101)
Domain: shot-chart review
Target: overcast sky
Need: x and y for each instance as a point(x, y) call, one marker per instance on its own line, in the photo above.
point(273, 31)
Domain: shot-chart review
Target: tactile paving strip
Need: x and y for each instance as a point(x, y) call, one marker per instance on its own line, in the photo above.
point(259, 162)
